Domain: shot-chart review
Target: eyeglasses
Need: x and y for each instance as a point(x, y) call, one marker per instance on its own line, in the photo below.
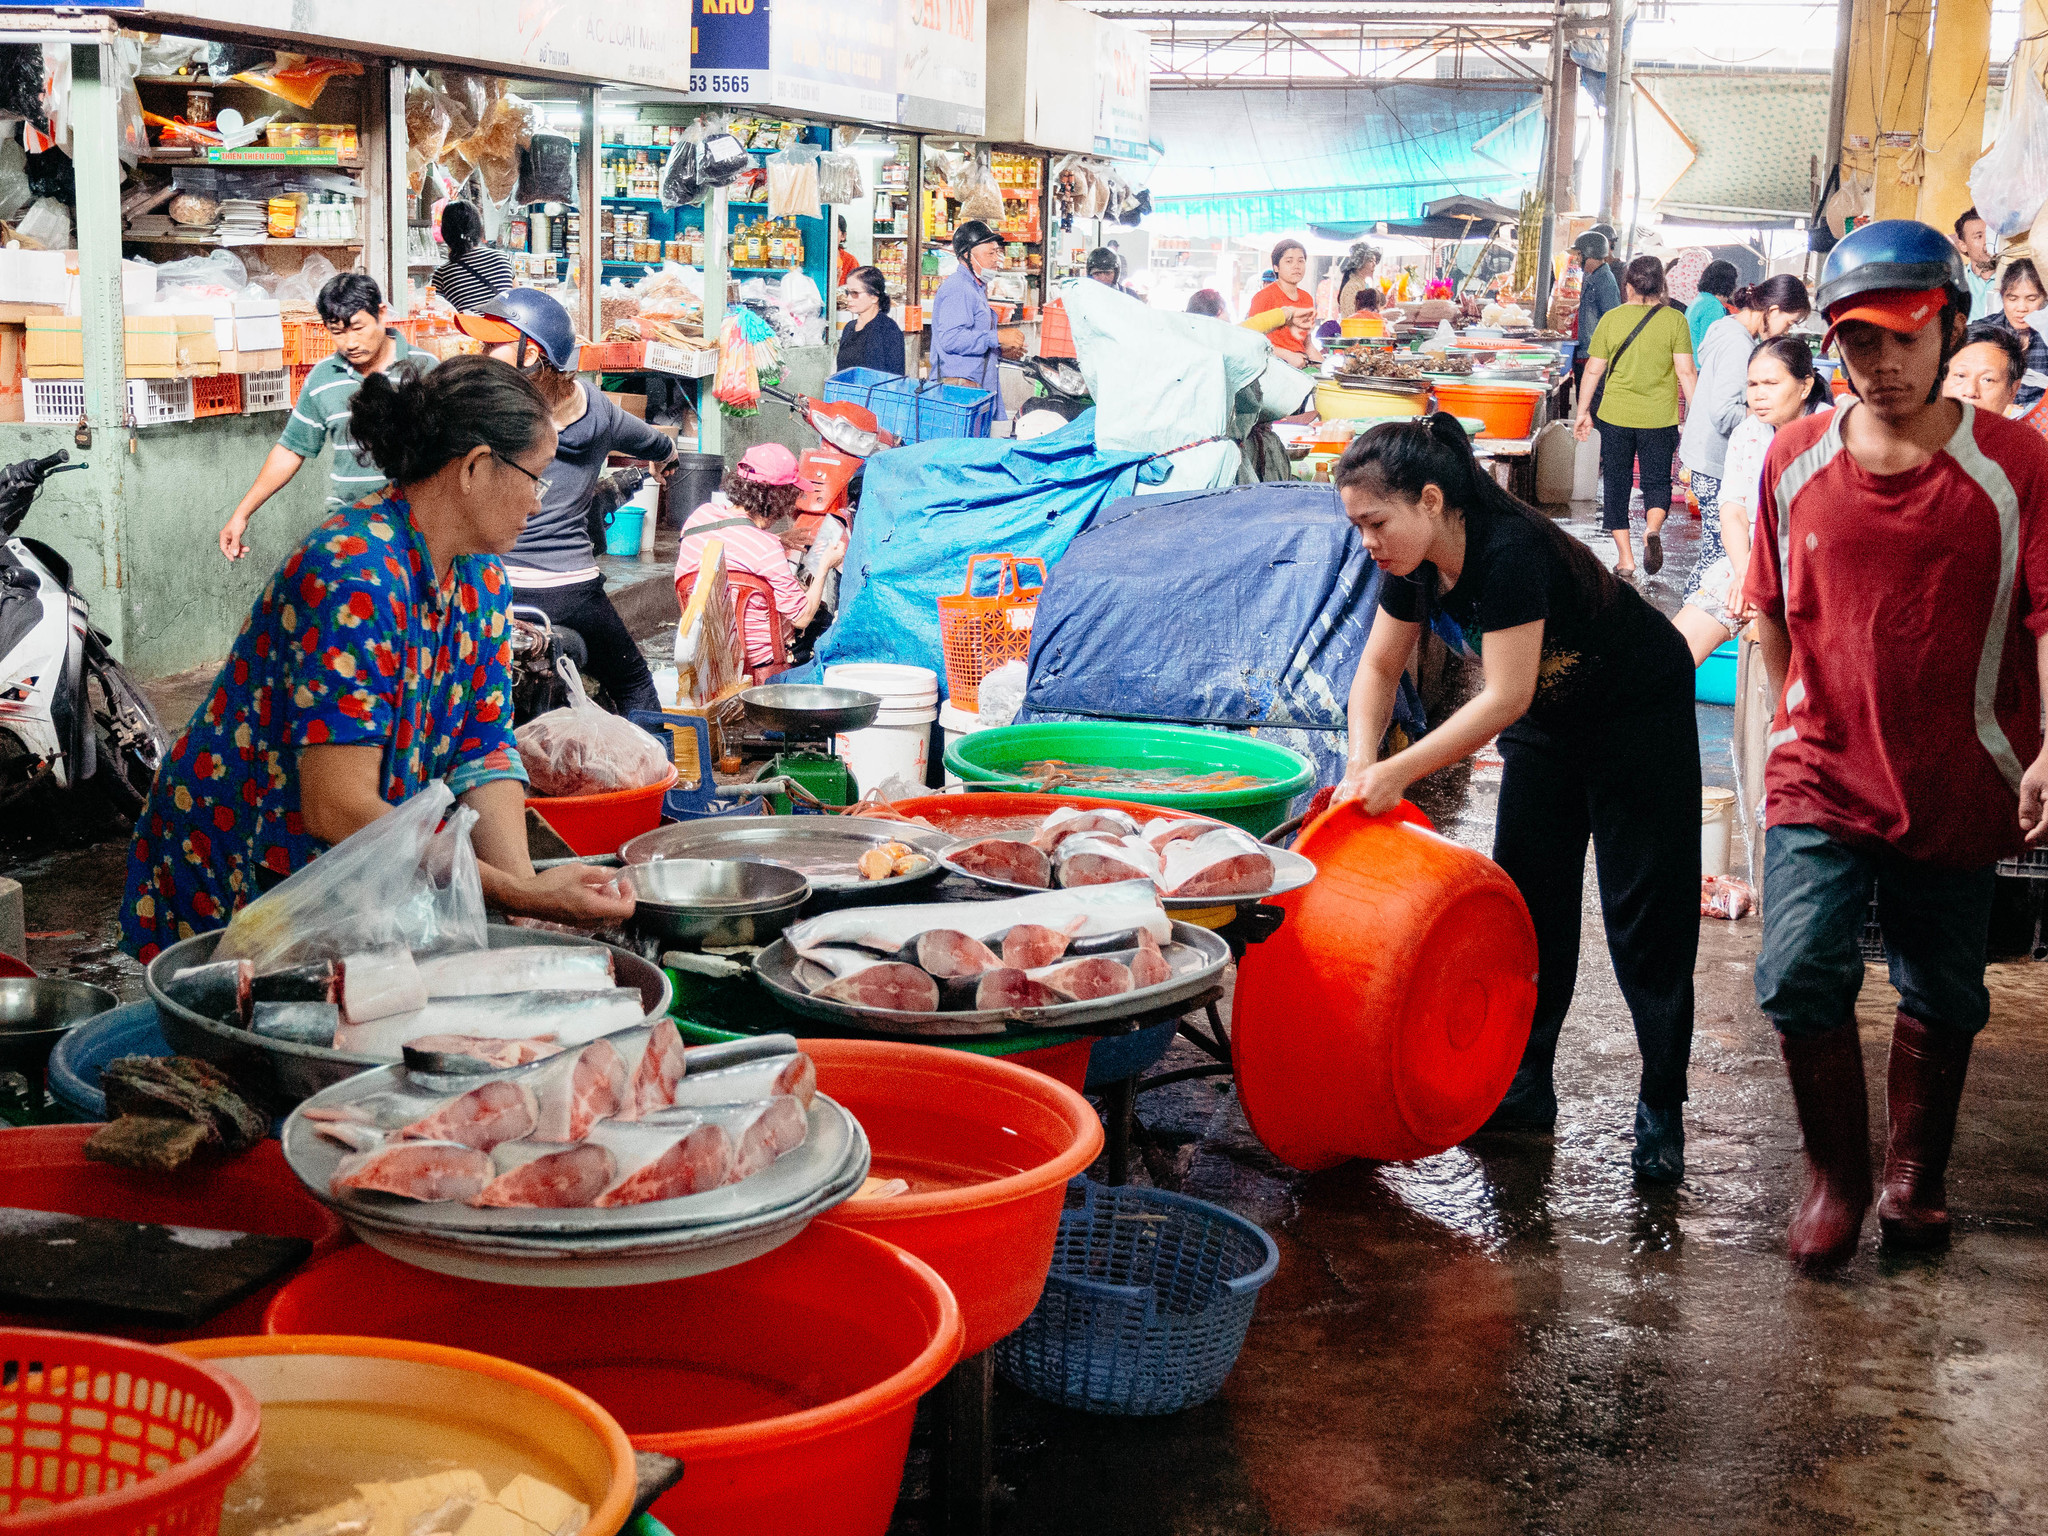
point(540, 486)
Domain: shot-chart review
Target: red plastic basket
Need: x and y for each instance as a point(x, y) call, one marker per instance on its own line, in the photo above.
point(110, 1438)
point(979, 634)
point(1055, 332)
point(299, 373)
point(306, 341)
point(219, 395)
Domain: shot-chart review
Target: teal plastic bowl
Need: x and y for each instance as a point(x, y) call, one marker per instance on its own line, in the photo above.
point(1713, 681)
point(996, 759)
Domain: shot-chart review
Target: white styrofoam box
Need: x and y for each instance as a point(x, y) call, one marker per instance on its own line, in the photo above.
point(259, 325)
point(34, 277)
point(138, 286)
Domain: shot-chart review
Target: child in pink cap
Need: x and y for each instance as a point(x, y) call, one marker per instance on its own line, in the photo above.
point(759, 494)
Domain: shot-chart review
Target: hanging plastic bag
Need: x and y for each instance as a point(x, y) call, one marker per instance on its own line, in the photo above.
point(494, 148)
point(444, 908)
point(298, 78)
point(793, 183)
point(839, 179)
point(581, 749)
point(2010, 182)
point(805, 307)
point(682, 178)
point(547, 170)
point(426, 132)
point(358, 895)
point(14, 189)
point(981, 195)
point(724, 158)
point(737, 387)
point(465, 95)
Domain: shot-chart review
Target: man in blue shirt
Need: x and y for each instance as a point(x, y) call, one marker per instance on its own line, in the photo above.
point(1598, 293)
point(965, 349)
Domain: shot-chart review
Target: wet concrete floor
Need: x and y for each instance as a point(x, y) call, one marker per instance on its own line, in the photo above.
point(1511, 1336)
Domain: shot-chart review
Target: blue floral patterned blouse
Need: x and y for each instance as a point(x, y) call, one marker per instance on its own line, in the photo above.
point(353, 641)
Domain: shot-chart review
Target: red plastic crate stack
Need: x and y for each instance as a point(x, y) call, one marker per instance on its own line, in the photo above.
point(217, 395)
point(298, 372)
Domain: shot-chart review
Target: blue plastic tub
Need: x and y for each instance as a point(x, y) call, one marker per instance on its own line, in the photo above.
point(1713, 681)
point(1147, 1305)
point(130, 1030)
point(622, 531)
point(913, 409)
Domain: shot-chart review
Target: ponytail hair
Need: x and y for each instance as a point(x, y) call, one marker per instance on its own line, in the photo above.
point(462, 229)
point(1784, 292)
point(1399, 458)
point(1796, 358)
point(413, 423)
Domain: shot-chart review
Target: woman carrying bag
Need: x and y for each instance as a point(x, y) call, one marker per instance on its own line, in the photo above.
point(1639, 362)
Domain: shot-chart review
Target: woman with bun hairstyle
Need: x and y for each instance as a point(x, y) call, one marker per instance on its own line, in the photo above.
point(376, 660)
point(1761, 312)
point(1590, 691)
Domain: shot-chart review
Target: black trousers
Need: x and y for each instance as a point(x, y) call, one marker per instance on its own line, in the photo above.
point(1620, 448)
point(1631, 786)
point(615, 660)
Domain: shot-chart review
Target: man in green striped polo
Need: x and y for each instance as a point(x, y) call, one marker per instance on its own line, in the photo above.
point(352, 308)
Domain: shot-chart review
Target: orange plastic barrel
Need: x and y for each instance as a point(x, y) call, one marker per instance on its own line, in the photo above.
point(1387, 1016)
point(594, 825)
point(786, 1385)
point(44, 1168)
point(987, 1148)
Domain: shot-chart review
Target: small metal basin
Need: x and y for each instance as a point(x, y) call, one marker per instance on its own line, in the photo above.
point(714, 903)
point(36, 1012)
point(808, 712)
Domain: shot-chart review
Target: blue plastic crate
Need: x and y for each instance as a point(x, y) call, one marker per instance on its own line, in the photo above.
point(1147, 1305)
point(913, 409)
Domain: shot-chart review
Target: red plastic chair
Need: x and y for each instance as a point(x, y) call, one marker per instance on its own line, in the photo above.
point(747, 589)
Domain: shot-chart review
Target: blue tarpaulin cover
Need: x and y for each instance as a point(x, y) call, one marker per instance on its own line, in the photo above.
point(924, 510)
point(1243, 606)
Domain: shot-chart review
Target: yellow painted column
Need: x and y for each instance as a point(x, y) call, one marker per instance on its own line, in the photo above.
point(1958, 75)
point(1902, 107)
point(1866, 61)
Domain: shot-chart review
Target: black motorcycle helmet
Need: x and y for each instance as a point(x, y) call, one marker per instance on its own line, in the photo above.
point(967, 236)
point(1103, 259)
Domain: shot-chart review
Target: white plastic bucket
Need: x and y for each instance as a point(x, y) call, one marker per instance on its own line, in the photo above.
point(898, 744)
point(1717, 828)
point(957, 724)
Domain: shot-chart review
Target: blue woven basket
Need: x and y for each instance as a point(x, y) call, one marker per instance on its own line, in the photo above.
point(1147, 1305)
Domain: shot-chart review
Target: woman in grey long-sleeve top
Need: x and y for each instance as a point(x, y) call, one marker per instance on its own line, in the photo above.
point(1756, 313)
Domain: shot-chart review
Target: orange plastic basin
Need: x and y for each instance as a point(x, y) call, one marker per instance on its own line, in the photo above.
point(44, 1168)
point(1387, 1016)
point(1506, 412)
point(786, 1384)
point(598, 824)
point(987, 1148)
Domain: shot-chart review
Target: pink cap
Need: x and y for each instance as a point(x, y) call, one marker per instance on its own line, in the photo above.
point(769, 463)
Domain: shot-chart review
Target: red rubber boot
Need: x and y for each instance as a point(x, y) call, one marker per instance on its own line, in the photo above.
point(1923, 1086)
point(1834, 1119)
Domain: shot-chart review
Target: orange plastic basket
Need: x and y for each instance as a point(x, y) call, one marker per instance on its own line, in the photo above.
point(979, 634)
point(306, 341)
point(218, 395)
point(109, 1438)
point(299, 373)
point(1055, 332)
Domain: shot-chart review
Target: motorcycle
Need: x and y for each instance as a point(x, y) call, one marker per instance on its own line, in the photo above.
point(538, 646)
point(68, 712)
point(827, 476)
point(1063, 396)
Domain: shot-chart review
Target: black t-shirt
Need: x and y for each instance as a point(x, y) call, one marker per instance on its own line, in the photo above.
point(1625, 659)
point(878, 345)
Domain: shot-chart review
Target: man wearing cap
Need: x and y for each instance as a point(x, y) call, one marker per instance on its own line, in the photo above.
point(554, 565)
point(1598, 293)
point(1900, 580)
point(759, 492)
point(965, 346)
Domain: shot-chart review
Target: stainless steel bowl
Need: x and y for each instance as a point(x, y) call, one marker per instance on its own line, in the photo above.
point(36, 1012)
point(713, 903)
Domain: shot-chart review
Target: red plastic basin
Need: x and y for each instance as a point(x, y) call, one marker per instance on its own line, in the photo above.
point(44, 1168)
point(987, 1147)
point(971, 813)
point(787, 1384)
point(1387, 1016)
point(598, 824)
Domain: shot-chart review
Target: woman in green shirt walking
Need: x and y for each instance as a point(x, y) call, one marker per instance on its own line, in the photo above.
point(1639, 363)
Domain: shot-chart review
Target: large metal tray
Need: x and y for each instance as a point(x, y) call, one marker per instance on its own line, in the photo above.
point(795, 1178)
point(824, 849)
point(1290, 873)
point(1196, 955)
point(284, 1073)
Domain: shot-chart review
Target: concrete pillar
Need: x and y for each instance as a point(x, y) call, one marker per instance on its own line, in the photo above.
point(1618, 103)
point(1902, 108)
point(1958, 74)
point(717, 266)
point(1859, 104)
point(95, 141)
point(1563, 166)
point(589, 254)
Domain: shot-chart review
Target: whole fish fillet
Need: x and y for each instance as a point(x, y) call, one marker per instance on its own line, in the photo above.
point(885, 930)
point(950, 954)
point(1096, 858)
point(1005, 858)
point(537, 1175)
point(680, 1155)
point(417, 1170)
point(565, 1018)
point(481, 1118)
point(379, 983)
point(1064, 823)
point(794, 1076)
point(520, 968)
point(1225, 862)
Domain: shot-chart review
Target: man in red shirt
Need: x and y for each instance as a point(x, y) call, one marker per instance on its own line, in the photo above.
point(1900, 575)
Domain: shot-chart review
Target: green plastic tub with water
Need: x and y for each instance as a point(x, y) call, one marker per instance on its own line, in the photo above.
point(1001, 759)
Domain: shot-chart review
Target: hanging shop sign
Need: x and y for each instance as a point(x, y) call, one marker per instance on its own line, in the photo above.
point(834, 58)
point(595, 40)
point(1123, 92)
point(729, 50)
point(1072, 80)
point(942, 59)
point(919, 63)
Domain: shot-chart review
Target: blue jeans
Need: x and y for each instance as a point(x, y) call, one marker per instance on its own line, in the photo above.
point(1816, 899)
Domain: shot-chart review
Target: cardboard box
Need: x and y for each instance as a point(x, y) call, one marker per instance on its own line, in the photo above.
point(138, 285)
point(259, 327)
point(177, 343)
point(236, 361)
point(12, 340)
point(634, 406)
point(52, 341)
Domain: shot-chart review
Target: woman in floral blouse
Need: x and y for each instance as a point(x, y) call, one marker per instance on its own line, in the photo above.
point(377, 660)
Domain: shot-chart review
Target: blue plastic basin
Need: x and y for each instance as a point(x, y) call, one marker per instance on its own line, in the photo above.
point(1713, 681)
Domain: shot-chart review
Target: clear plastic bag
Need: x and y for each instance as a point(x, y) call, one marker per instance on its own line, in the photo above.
point(2010, 182)
point(839, 179)
point(426, 132)
point(793, 183)
point(367, 891)
point(581, 749)
point(980, 194)
point(217, 275)
point(724, 158)
point(303, 286)
point(298, 78)
point(45, 227)
point(14, 191)
point(805, 307)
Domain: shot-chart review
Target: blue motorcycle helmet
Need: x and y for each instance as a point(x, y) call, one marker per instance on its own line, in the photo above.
point(1899, 274)
point(526, 315)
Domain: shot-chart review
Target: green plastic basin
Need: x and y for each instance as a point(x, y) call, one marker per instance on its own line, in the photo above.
point(996, 758)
